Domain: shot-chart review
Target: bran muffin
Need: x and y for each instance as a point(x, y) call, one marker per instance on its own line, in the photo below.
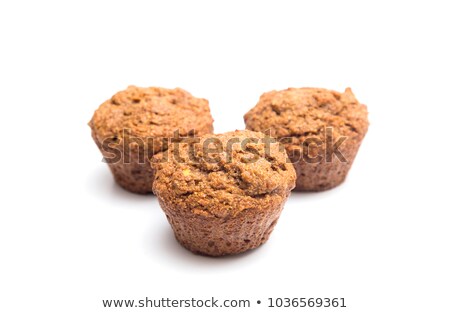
point(227, 199)
point(137, 123)
point(321, 130)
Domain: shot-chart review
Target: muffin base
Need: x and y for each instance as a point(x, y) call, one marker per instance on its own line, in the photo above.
point(133, 176)
point(325, 175)
point(206, 234)
point(319, 178)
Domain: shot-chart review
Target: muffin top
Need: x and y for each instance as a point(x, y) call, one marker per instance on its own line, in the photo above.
point(305, 112)
point(223, 175)
point(151, 113)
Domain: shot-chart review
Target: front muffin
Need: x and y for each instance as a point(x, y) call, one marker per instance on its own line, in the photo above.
point(321, 130)
point(137, 123)
point(223, 194)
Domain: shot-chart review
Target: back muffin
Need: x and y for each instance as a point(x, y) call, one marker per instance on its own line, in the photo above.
point(137, 123)
point(321, 130)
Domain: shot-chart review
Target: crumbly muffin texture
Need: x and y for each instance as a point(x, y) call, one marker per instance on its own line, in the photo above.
point(295, 115)
point(224, 201)
point(302, 112)
point(243, 178)
point(152, 113)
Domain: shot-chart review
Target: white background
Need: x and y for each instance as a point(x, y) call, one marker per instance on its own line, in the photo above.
point(70, 237)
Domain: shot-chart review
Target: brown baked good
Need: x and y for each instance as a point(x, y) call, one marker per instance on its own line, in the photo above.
point(137, 123)
point(309, 122)
point(226, 201)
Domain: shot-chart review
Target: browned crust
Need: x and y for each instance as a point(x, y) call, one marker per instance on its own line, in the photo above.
point(152, 115)
point(225, 207)
point(304, 113)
